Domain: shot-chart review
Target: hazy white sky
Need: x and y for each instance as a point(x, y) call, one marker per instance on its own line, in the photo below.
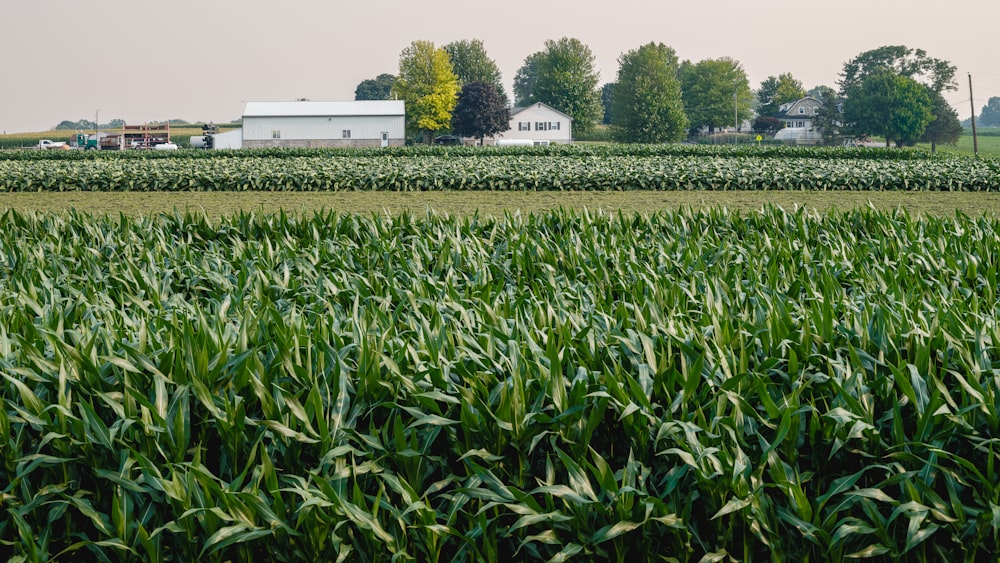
point(140, 60)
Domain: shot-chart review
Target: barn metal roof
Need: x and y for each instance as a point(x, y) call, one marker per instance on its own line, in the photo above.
point(323, 109)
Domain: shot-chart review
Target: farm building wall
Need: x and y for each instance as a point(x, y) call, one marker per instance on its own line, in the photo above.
point(322, 131)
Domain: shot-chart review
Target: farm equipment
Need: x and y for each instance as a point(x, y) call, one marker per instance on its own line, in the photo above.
point(131, 137)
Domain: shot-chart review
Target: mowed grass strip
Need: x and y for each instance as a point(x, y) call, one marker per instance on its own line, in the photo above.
point(702, 384)
point(216, 205)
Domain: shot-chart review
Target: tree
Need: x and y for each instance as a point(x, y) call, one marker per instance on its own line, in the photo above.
point(829, 115)
point(708, 89)
point(937, 74)
point(607, 94)
point(567, 81)
point(378, 88)
point(777, 90)
point(481, 111)
point(428, 86)
point(990, 116)
point(471, 64)
point(525, 79)
point(646, 107)
point(891, 105)
point(945, 128)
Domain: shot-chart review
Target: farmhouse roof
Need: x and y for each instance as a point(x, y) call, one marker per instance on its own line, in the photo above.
point(785, 108)
point(320, 109)
point(517, 110)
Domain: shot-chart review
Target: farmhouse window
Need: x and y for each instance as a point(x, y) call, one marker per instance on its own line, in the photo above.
point(554, 126)
point(800, 123)
point(276, 134)
point(346, 134)
point(802, 110)
point(524, 126)
point(541, 126)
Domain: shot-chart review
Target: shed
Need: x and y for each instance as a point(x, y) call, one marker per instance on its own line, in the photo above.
point(369, 123)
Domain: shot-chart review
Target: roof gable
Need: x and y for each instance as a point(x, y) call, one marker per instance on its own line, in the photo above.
point(322, 109)
point(517, 110)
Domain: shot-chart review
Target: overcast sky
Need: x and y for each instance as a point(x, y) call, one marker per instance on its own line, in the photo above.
point(201, 60)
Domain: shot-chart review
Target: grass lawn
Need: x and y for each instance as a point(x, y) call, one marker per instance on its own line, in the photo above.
point(988, 140)
point(216, 204)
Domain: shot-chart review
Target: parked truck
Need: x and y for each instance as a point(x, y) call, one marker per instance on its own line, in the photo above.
point(46, 144)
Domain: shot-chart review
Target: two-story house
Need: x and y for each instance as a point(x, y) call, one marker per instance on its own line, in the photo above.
point(800, 113)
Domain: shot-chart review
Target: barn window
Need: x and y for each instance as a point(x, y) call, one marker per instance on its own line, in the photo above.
point(346, 134)
point(276, 134)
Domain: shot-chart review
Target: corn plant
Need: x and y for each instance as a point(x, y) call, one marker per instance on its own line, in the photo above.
point(685, 386)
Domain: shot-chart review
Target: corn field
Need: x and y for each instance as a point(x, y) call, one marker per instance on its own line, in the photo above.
point(685, 386)
point(496, 172)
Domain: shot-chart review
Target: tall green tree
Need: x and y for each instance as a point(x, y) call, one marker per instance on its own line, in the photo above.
point(715, 92)
point(567, 80)
point(937, 74)
point(829, 115)
point(378, 88)
point(471, 64)
point(777, 90)
point(525, 79)
point(945, 128)
point(429, 87)
point(990, 116)
point(607, 94)
point(890, 105)
point(647, 107)
point(481, 111)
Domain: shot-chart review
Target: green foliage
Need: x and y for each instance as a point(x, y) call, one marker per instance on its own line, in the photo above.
point(945, 128)
point(889, 105)
point(937, 74)
point(646, 106)
point(607, 167)
point(714, 92)
point(607, 95)
point(775, 91)
point(990, 115)
point(565, 79)
point(525, 80)
point(528, 387)
point(471, 64)
point(481, 111)
point(428, 85)
point(378, 88)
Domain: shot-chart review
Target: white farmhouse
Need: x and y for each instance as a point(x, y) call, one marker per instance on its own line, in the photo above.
point(324, 124)
point(799, 113)
point(539, 122)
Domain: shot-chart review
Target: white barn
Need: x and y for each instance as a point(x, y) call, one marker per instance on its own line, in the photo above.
point(539, 122)
point(324, 124)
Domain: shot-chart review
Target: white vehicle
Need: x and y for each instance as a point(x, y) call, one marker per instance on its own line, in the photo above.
point(46, 144)
point(165, 147)
point(515, 143)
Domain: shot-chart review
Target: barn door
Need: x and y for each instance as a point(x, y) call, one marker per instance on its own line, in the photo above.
point(385, 138)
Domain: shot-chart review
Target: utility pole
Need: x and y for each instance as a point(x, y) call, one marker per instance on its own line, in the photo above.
point(736, 114)
point(975, 140)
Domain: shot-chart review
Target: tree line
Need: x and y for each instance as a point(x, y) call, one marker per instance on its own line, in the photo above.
point(893, 92)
